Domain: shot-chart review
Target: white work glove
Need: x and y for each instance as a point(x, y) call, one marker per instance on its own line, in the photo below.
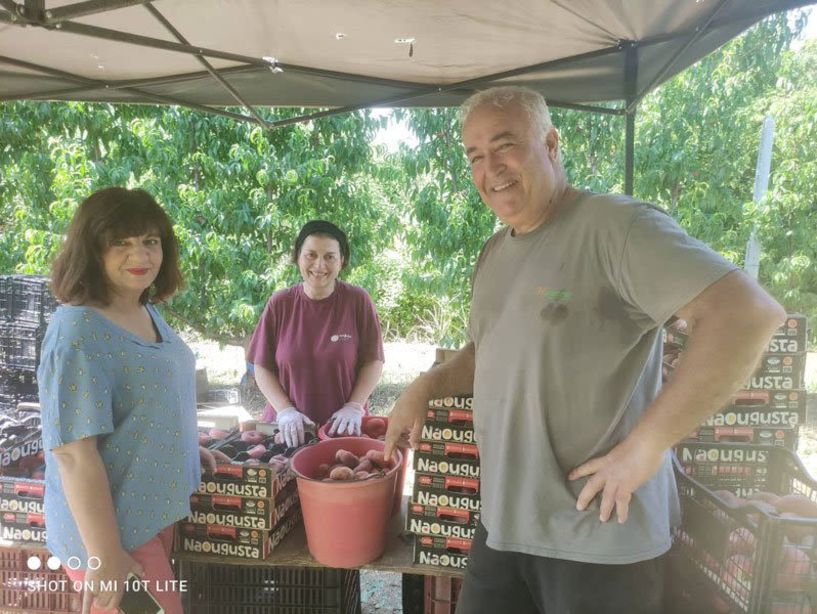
point(291, 424)
point(347, 419)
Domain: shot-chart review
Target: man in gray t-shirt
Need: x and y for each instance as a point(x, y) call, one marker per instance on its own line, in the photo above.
point(573, 429)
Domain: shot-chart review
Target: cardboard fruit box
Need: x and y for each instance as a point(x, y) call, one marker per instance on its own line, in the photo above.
point(446, 491)
point(244, 480)
point(457, 459)
point(775, 372)
point(741, 468)
point(790, 338)
point(450, 416)
point(442, 551)
point(767, 400)
point(783, 364)
point(458, 402)
point(433, 431)
point(756, 418)
point(18, 448)
point(21, 495)
point(443, 521)
point(784, 437)
point(237, 542)
point(22, 527)
point(242, 512)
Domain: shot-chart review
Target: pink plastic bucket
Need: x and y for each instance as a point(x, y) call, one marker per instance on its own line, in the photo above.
point(346, 522)
point(323, 435)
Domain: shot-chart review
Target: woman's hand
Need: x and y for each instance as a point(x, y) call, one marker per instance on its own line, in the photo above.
point(291, 424)
point(347, 419)
point(209, 458)
point(112, 573)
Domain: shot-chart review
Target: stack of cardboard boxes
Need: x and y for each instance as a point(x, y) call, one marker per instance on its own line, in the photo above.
point(767, 411)
point(444, 509)
point(242, 509)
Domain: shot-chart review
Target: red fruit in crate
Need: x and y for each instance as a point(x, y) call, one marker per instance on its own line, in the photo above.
point(741, 541)
point(204, 439)
point(739, 568)
point(218, 433)
point(375, 427)
point(257, 451)
point(795, 568)
point(796, 533)
point(253, 437)
point(364, 465)
point(737, 574)
point(766, 497)
point(322, 471)
point(342, 474)
point(797, 504)
point(346, 458)
point(719, 604)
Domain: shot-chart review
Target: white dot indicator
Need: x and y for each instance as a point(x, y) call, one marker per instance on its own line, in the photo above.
point(94, 563)
point(34, 563)
point(53, 563)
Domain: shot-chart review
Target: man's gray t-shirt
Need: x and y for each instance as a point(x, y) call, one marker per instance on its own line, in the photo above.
point(566, 323)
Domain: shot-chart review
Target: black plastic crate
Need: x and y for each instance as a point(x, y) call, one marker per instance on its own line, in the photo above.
point(745, 557)
point(20, 346)
point(17, 387)
point(26, 299)
point(216, 588)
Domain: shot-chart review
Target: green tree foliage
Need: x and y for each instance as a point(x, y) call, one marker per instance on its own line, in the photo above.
point(238, 193)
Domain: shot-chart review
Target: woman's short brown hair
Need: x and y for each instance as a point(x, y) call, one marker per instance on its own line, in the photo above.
point(78, 275)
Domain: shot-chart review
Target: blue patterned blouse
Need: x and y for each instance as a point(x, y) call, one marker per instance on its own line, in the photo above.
point(139, 399)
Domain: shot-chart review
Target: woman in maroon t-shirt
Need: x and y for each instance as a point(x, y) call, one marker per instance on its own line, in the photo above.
point(318, 349)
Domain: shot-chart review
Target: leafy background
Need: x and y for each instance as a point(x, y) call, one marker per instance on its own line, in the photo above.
point(238, 193)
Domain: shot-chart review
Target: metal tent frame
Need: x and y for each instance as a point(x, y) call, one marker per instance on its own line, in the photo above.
point(55, 83)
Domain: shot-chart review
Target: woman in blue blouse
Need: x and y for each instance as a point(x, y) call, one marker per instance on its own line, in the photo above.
point(117, 389)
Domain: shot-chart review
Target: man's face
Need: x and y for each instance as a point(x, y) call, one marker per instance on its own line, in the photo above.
point(513, 166)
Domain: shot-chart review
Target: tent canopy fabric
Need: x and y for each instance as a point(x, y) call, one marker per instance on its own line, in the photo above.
point(357, 53)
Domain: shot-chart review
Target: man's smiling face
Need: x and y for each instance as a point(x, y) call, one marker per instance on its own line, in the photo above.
point(513, 165)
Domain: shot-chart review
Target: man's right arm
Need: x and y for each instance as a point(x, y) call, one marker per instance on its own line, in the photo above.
point(453, 377)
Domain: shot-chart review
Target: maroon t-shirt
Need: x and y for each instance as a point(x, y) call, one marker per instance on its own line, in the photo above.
point(316, 347)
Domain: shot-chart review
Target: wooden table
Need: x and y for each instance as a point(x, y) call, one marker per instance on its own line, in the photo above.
point(293, 552)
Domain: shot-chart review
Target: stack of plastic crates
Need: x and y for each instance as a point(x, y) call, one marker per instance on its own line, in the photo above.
point(441, 594)
point(26, 305)
point(23, 589)
point(213, 588)
point(736, 556)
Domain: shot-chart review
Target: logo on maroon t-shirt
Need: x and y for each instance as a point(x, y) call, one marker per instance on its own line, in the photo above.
point(340, 337)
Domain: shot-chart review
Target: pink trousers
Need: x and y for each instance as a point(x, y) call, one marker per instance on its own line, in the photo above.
point(154, 557)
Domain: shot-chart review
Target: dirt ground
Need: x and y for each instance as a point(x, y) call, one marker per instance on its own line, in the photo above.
point(381, 591)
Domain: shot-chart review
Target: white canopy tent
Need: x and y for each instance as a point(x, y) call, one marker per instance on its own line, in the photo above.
point(346, 55)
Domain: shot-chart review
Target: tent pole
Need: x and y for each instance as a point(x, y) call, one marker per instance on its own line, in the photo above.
point(83, 9)
point(699, 31)
point(207, 66)
point(97, 84)
point(630, 92)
